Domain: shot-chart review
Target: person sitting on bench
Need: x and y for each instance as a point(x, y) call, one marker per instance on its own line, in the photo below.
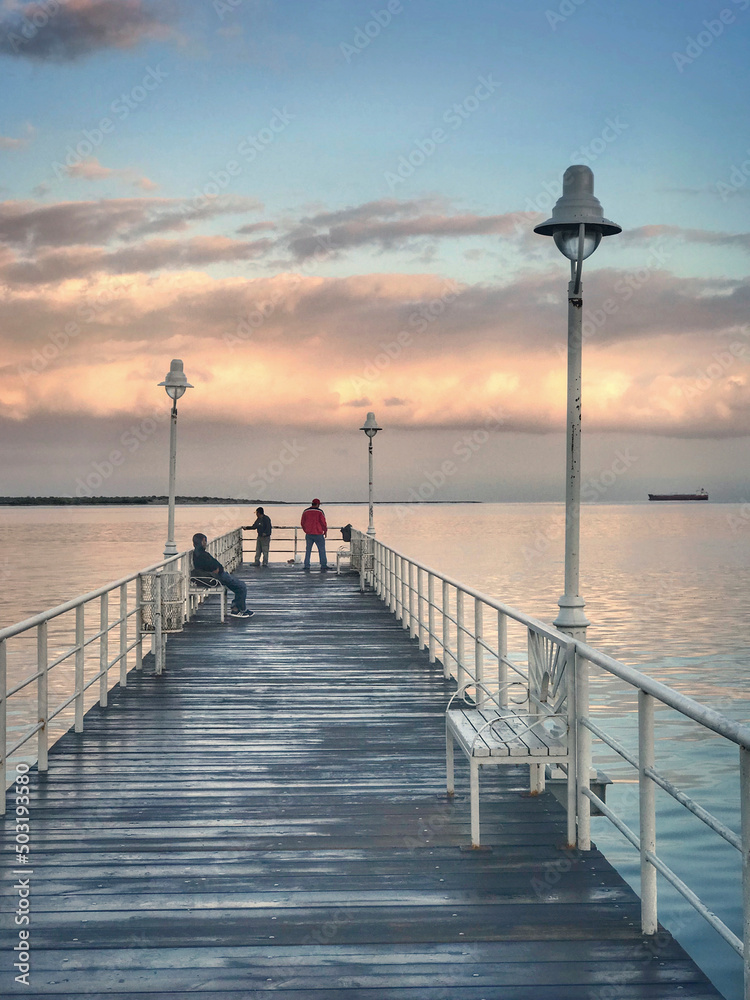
point(204, 565)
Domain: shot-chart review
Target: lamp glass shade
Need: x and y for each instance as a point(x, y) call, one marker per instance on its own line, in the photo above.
point(175, 381)
point(566, 241)
point(577, 205)
point(371, 426)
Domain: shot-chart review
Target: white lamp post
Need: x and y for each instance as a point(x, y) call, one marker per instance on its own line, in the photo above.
point(371, 429)
point(175, 383)
point(577, 226)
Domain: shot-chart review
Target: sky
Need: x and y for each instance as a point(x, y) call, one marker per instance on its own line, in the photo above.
point(326, 207)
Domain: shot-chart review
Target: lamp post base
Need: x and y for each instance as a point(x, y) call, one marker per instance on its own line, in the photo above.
point(170, 549)
point(571, 618)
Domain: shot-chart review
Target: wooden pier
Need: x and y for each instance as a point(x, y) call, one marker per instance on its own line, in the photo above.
point(269, 816)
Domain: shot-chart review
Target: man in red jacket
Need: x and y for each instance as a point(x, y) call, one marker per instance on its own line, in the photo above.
point(315, 528)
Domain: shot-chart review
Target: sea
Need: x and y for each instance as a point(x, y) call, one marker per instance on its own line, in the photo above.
point(666, 586)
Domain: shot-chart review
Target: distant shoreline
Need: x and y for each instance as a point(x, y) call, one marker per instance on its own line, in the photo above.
point(154, 501)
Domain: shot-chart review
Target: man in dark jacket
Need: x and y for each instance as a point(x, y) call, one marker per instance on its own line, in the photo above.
point(315, 528)
point(262, 524)
point(204, 565)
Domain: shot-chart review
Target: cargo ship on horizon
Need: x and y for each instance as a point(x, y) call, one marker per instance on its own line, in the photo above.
point(700, 495)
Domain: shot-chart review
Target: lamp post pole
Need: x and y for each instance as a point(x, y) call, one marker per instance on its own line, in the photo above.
point(175, 383)
point(370, 428)
point(170, 549)
point(572, 618)
point(577, 226)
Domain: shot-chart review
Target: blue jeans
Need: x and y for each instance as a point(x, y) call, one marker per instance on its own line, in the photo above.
point(320, 541)
point(239, 588)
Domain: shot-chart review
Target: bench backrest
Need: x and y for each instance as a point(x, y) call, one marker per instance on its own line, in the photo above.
point(550, 673)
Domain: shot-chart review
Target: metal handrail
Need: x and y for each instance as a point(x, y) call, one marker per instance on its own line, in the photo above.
point(397, 580)
point(226, 547)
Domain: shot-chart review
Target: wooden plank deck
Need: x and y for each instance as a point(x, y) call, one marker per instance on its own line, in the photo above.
point(268, 817)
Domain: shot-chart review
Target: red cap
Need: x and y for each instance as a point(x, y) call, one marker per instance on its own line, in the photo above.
point(316, 502)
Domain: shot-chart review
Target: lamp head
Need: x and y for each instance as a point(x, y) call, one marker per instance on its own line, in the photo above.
point(371, 427)
point(175, 381)
point(577, 205)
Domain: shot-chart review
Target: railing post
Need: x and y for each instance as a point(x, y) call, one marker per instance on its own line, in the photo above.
point(103, 649)
point(404, 595)
point(502, 666)
point(42, 694)
point(392, 580)
point(296, 529)
point(745, 820)
point(377, 568)
point(80, 653)
point(412, 591)
point(481, 695)
point(432, 639)
point(460, 638)
point(158, 643)
point(572, 787)
point(420, 608)
point(124, 634)
point(647, 808)
point(3, 722)
point(583, 752)
point(446, 610)
point(363, 566)
point(139, 623)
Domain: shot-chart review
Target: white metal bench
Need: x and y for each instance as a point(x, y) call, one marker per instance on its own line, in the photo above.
point(200, 587)
point(534, 729)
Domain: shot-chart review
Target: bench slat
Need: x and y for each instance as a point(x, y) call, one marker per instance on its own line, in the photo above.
point(503, 740)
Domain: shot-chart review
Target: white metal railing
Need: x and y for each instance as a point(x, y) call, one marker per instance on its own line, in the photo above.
point(450, 619)
point(73, 640)
point(292, 542)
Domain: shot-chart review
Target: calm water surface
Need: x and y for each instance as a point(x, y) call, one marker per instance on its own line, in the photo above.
point(666, 589)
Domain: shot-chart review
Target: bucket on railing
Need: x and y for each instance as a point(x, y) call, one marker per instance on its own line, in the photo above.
point(170, 587)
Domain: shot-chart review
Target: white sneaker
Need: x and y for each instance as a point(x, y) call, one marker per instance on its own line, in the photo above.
point(241, 614)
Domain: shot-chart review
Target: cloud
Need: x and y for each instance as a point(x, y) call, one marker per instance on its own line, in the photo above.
point(92, 170)
point(320, 347)
point(16, 143)
point(120, 287)
point(378, 227)
point(67, 30)
point(735, 241)
point(30, 225)
point(63, 264)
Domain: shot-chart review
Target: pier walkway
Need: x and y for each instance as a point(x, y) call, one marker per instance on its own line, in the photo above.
point(268, 815)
